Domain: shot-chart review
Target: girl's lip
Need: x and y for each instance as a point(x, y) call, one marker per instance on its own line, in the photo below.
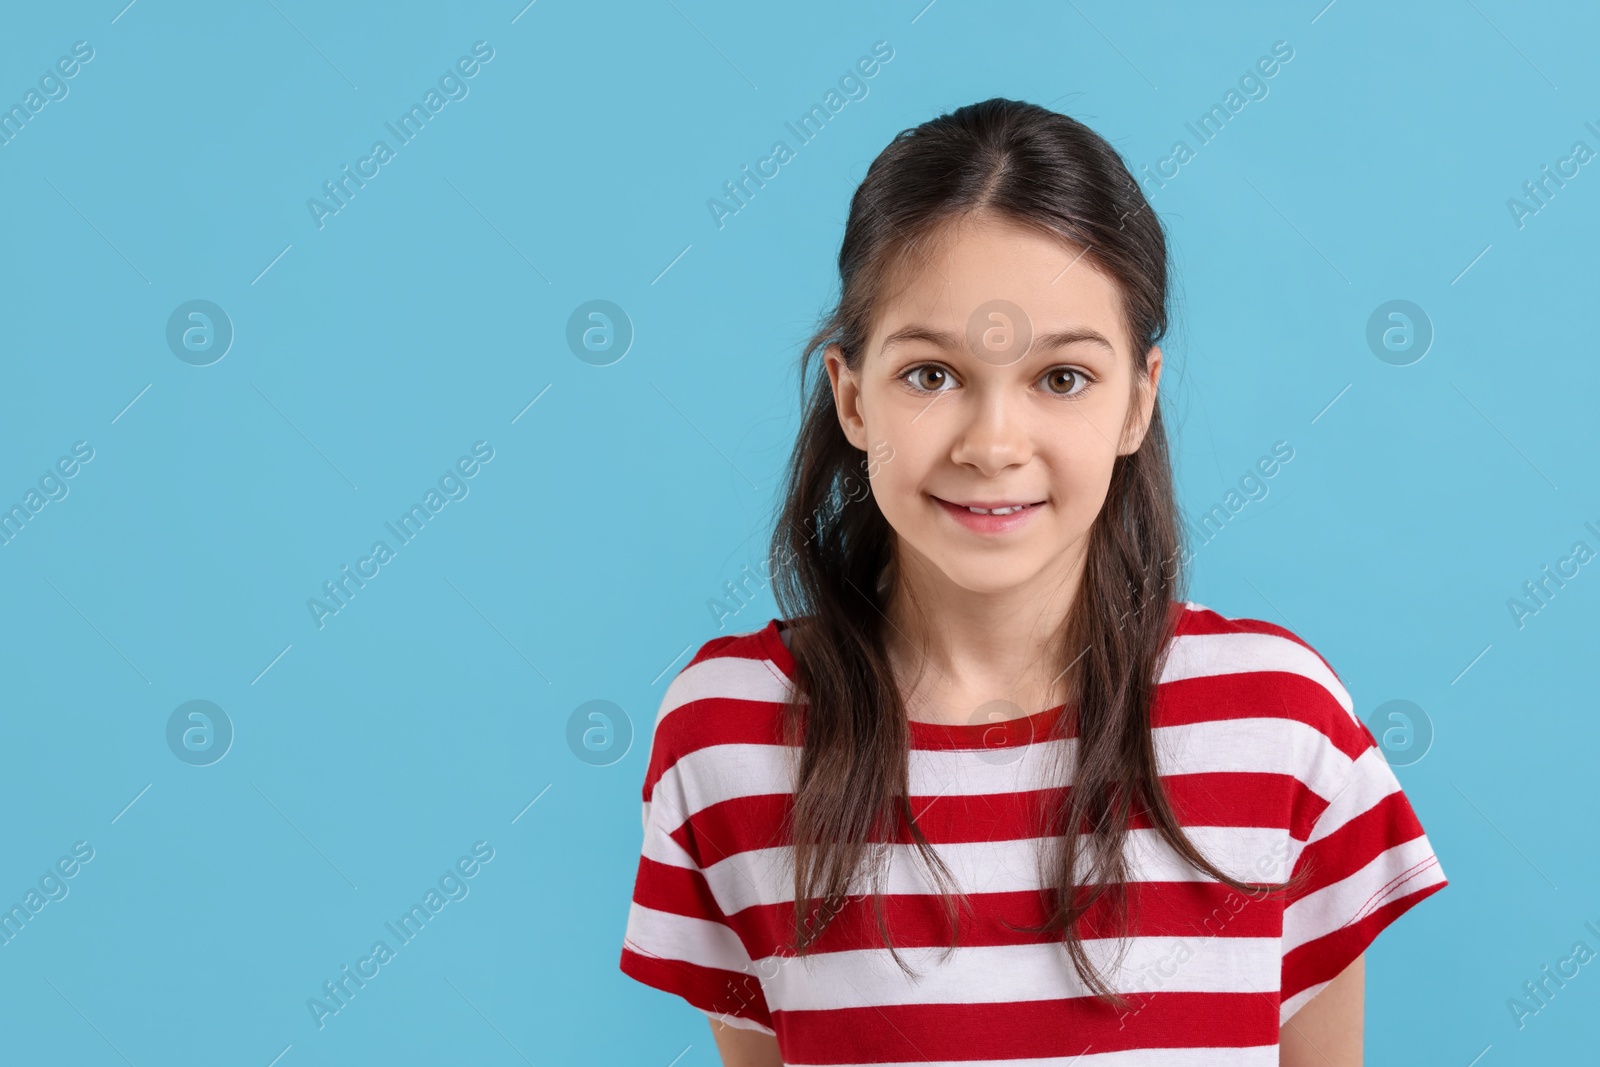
point(989, 524)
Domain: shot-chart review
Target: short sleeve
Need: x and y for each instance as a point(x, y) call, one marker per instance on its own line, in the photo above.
point(678, 939)
point(1366, 862)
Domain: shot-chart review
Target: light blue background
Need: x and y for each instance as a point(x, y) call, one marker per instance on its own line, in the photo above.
point(431, 310)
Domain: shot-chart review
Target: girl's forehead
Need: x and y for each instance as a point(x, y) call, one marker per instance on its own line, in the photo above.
point(960, 278)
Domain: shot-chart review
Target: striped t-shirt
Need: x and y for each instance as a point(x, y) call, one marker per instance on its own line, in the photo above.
point(1267, 767)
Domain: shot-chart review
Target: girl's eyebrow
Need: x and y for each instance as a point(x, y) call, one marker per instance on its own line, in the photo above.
point(917, 331)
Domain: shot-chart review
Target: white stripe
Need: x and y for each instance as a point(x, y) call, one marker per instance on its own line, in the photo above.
point(1393, 873)
point(659, 844)
point(719, 773)
point(663, 849)
point(1208, 655)
point(677, 937)
point(1253, 1056)
point(739, 1022)
point(765, 876)
point(992, 974)
point(734, 677)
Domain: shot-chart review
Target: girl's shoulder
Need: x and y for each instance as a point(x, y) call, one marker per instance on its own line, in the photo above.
point(1208, 642)
point(1250, 667)
point(753, 665)
point(730, 692)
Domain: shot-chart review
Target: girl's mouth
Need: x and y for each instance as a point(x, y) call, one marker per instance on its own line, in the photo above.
point(991, 517)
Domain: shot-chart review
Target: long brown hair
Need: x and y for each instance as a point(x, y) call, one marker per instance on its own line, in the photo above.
point(1045, 170)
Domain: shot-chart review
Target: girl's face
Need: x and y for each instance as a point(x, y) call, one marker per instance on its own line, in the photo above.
point(1000, 375)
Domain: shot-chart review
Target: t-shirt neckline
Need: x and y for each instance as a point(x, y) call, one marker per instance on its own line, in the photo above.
point(1007, 733)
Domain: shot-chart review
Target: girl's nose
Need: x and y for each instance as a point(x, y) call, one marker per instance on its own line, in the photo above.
point(995, 434)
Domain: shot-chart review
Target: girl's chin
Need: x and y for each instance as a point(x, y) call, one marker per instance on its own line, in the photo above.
point(995, 577)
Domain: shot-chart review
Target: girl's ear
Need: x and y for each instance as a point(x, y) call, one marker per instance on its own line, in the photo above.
point(846, 397)
point(1144, 403)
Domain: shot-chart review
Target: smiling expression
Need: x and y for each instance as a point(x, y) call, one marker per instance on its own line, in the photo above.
point(999, 372)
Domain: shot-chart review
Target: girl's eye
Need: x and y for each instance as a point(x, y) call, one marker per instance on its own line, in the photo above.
point(1065, 381)
point(927, 378)
point(932, 378)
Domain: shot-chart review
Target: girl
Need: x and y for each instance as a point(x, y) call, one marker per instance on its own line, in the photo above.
point(860, 842)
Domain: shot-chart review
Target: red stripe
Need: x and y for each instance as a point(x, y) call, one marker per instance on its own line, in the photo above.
point(1037, 728)
point(1155, 909)
point(739, 825)
point(1259, 695)
point(679, 890)
point(707, 988)
point(1390, 822)
point(1023, 1029)
point(706, 722)
point(1221, 798)
point(1211, 799)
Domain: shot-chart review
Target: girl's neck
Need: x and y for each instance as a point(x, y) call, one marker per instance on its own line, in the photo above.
point(957, 652)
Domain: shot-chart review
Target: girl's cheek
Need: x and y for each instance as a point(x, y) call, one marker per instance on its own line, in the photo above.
point(882, 452)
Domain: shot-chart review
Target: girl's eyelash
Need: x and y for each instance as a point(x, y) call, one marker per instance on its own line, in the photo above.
point(1089, 379)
